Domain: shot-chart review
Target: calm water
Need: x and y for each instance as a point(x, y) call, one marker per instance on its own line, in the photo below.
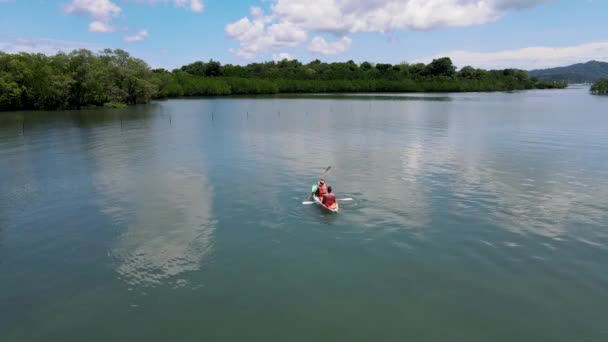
point(476, 217)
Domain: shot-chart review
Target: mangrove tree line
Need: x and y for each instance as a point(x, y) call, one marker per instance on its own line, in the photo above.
point(114, 78)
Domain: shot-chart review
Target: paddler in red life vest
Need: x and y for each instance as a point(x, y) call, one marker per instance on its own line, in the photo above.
point(321, 189)
point(329, 199)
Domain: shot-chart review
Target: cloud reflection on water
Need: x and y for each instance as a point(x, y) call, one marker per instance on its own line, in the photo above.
point(157, 195)
point(172, 231)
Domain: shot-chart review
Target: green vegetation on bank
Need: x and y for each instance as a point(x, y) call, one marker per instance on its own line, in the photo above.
point(113, 78)
point(80, 78)
point(600, 87)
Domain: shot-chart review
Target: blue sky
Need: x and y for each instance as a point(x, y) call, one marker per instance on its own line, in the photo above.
point(169, 33)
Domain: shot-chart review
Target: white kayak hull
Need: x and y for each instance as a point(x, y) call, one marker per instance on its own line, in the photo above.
point(317, 200)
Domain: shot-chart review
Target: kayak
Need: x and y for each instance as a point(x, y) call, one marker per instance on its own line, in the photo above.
point(317, 200)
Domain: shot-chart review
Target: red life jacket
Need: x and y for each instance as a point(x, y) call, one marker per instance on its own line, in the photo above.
point(329, 200)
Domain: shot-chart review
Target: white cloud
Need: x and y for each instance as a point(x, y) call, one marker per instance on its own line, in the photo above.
point(350, 16)
point(140, 36)
point(193, 5)
point(45, 46)
point(536, 57)
point(196, 6)
point(256, 12)
point(320, 45)
point(341, 17)
point(102, 10)
point(100, 27)
point(255, 36)
point(277, 57)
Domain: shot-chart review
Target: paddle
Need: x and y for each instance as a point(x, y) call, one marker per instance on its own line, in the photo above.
point(341, 199)
point(326, 172)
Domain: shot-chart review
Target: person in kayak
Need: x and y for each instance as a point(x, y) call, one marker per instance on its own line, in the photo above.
point(321, 189)
point(329, 199)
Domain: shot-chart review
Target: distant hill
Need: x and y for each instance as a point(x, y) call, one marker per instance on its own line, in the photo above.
point(577, 73)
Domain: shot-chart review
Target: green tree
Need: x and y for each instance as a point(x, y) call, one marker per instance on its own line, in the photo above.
point(366, 66)
point(213, 69)
point(85, 86)
point(10, 93)
point(441, 67)
point(600, 87)
point(383, 68)
point(417, 69)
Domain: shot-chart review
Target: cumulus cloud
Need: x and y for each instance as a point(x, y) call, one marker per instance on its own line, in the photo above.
point(351, 16)
point(282, 56)
point(321, 46)
point(256, 12)
point(343, 17)
point(102, 10)
point(259, 35)
point(140, 36)
point(535, 57)
point(45, 46)
point(196, 6)
point(193, 5)
point(100, 27)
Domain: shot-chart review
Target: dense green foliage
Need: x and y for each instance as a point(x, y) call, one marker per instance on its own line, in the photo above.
point(577, 73)
point(81, 78)
point(600, 87)
point(112, 78)
point(317, 77)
